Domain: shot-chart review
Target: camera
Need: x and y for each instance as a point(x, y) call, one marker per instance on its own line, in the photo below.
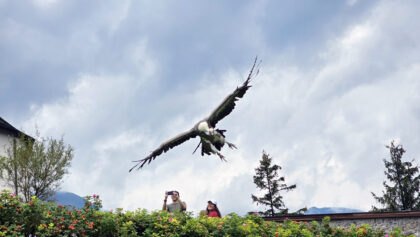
point(171, 193)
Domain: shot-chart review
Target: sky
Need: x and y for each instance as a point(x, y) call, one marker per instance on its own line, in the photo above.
point(339, 80)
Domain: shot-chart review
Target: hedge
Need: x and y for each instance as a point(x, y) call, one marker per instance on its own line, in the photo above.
point(38, 218)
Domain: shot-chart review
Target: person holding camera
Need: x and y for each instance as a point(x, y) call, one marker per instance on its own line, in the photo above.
point(176, 204)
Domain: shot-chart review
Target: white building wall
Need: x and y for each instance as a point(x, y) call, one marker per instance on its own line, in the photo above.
point(4, 144)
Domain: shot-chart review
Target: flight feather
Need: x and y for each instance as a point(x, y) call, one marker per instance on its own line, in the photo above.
point(164, 147)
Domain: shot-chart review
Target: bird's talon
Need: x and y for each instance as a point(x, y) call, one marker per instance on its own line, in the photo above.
point(231, 145)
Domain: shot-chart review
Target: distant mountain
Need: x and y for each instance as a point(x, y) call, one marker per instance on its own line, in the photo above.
point(67, 198)
point(330, 210)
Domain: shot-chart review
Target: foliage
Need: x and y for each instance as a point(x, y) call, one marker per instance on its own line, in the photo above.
point(404, 191)
point(35, 167)
point(267, 178)
point(47, 219)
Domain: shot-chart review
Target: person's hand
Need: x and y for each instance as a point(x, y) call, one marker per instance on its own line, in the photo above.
point(166, 195)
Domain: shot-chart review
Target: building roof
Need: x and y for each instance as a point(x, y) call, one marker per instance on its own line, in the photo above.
point(346, 216)
point(8, 128)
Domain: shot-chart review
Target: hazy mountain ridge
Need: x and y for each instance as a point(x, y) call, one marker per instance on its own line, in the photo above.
point(330, 210)
point(68, 199)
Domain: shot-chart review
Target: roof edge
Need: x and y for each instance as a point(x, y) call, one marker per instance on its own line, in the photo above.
point(347, 216)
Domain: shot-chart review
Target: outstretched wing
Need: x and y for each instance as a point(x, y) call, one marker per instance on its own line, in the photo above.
point(181, 138)
point(228, 104)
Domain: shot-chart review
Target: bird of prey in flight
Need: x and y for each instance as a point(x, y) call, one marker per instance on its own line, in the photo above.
point(211, 139)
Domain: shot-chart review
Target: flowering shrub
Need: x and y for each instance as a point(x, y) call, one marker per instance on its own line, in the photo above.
point(48, 219)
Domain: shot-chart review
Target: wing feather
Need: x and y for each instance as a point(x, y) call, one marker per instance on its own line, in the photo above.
point(228, 104)
point(164, 147)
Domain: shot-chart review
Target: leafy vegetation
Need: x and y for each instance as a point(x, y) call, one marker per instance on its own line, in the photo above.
point(47, 219)
point(35, 166)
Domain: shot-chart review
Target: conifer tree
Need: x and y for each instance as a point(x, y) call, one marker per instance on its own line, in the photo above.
point(403, 192)
point(267, 178)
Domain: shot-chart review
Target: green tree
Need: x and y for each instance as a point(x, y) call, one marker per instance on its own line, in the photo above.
point(267, 178)
point(35, 166)
point(403, 192)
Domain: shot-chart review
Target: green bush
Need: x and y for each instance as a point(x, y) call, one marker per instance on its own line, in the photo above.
point(47, 219)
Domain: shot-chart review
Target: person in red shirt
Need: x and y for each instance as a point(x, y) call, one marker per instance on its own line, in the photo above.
point(212, 210)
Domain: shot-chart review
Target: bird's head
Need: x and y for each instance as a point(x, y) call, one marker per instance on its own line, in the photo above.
point(203, 127)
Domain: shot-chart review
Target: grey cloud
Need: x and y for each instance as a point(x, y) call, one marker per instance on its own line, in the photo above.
point(47, 48)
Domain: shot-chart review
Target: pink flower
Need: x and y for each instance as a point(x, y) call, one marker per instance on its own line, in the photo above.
point(110, 210)
point(157, 217)
point(256, 213)
point(170, 219)
point(93, 195)
point(287, 218)
point(244, 224)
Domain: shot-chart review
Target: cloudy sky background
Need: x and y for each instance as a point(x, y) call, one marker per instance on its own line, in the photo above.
point(338, 82)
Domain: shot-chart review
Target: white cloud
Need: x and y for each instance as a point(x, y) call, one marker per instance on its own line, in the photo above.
point(90, 98)
point(333, 127)
point(351, 2)
point(45, 4)
point(120, 14)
